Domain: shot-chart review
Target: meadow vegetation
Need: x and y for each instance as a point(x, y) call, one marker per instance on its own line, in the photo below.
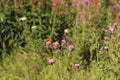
point(59, 40)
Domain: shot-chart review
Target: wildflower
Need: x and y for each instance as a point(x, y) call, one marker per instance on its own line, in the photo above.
point(23, 19)
point(107, 31)
point(77, 66)
point(66, 31)
point(71, 48)
point(74, 4)
point(56, 45)
point(58, 51)
point(51, 61)
point(63, 42)
point(88, 1)
point(105, 47)
point(116, 6)
point(34, 27)
point(114, 39)
point(105, 38)
point(115, 25)
point(111, 28)
point(48, 44)
point(85, 17)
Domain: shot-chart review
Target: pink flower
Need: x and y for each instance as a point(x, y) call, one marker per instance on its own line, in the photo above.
point(85, 17)
point(116, 6)
point(105, 38)
point(88, 1)
point(105, 47)
point(48, 44)
point(71, 48)
point(114, 39)
point(56, 45)
point(58, 51)
point(63, 42)
point(77, 66)
point(51, 61)
point(74, 4)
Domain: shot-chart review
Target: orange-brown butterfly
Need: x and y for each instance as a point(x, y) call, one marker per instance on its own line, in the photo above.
point(50, 39)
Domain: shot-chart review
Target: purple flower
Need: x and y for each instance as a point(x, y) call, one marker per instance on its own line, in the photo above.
point(105, 47)
point(51, 61)
point(71, 48)
point(48, 44)
point(58, 51)
point(77, 66)
point(63, 42)
point(116, 6)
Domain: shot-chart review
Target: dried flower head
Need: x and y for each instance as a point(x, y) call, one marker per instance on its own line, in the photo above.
point(56, 45)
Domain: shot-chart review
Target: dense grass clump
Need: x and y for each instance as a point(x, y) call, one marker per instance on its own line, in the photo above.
point(59, 40)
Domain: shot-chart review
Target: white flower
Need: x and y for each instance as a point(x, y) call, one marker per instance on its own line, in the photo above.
point(34, 27)
point(23, 19)
point(66, 31)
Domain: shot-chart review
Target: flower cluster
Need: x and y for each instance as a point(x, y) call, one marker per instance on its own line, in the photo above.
point(65, 43)
point(110, 34)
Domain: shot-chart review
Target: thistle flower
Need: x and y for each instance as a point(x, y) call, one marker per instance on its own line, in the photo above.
point(115, 25)
point(51, 61)
point(107, 31)
point(116, 7)
point(58, 51)
point(63, 42)
point(105, 47)
point(48, 44)
point(88, 1)
point(105, 38)
point(77, 66)
point(56, 45)
point(114, 39)
point(74, 4)
point(71, 48)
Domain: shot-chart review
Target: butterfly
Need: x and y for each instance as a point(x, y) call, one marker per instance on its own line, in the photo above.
point(50, 39)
